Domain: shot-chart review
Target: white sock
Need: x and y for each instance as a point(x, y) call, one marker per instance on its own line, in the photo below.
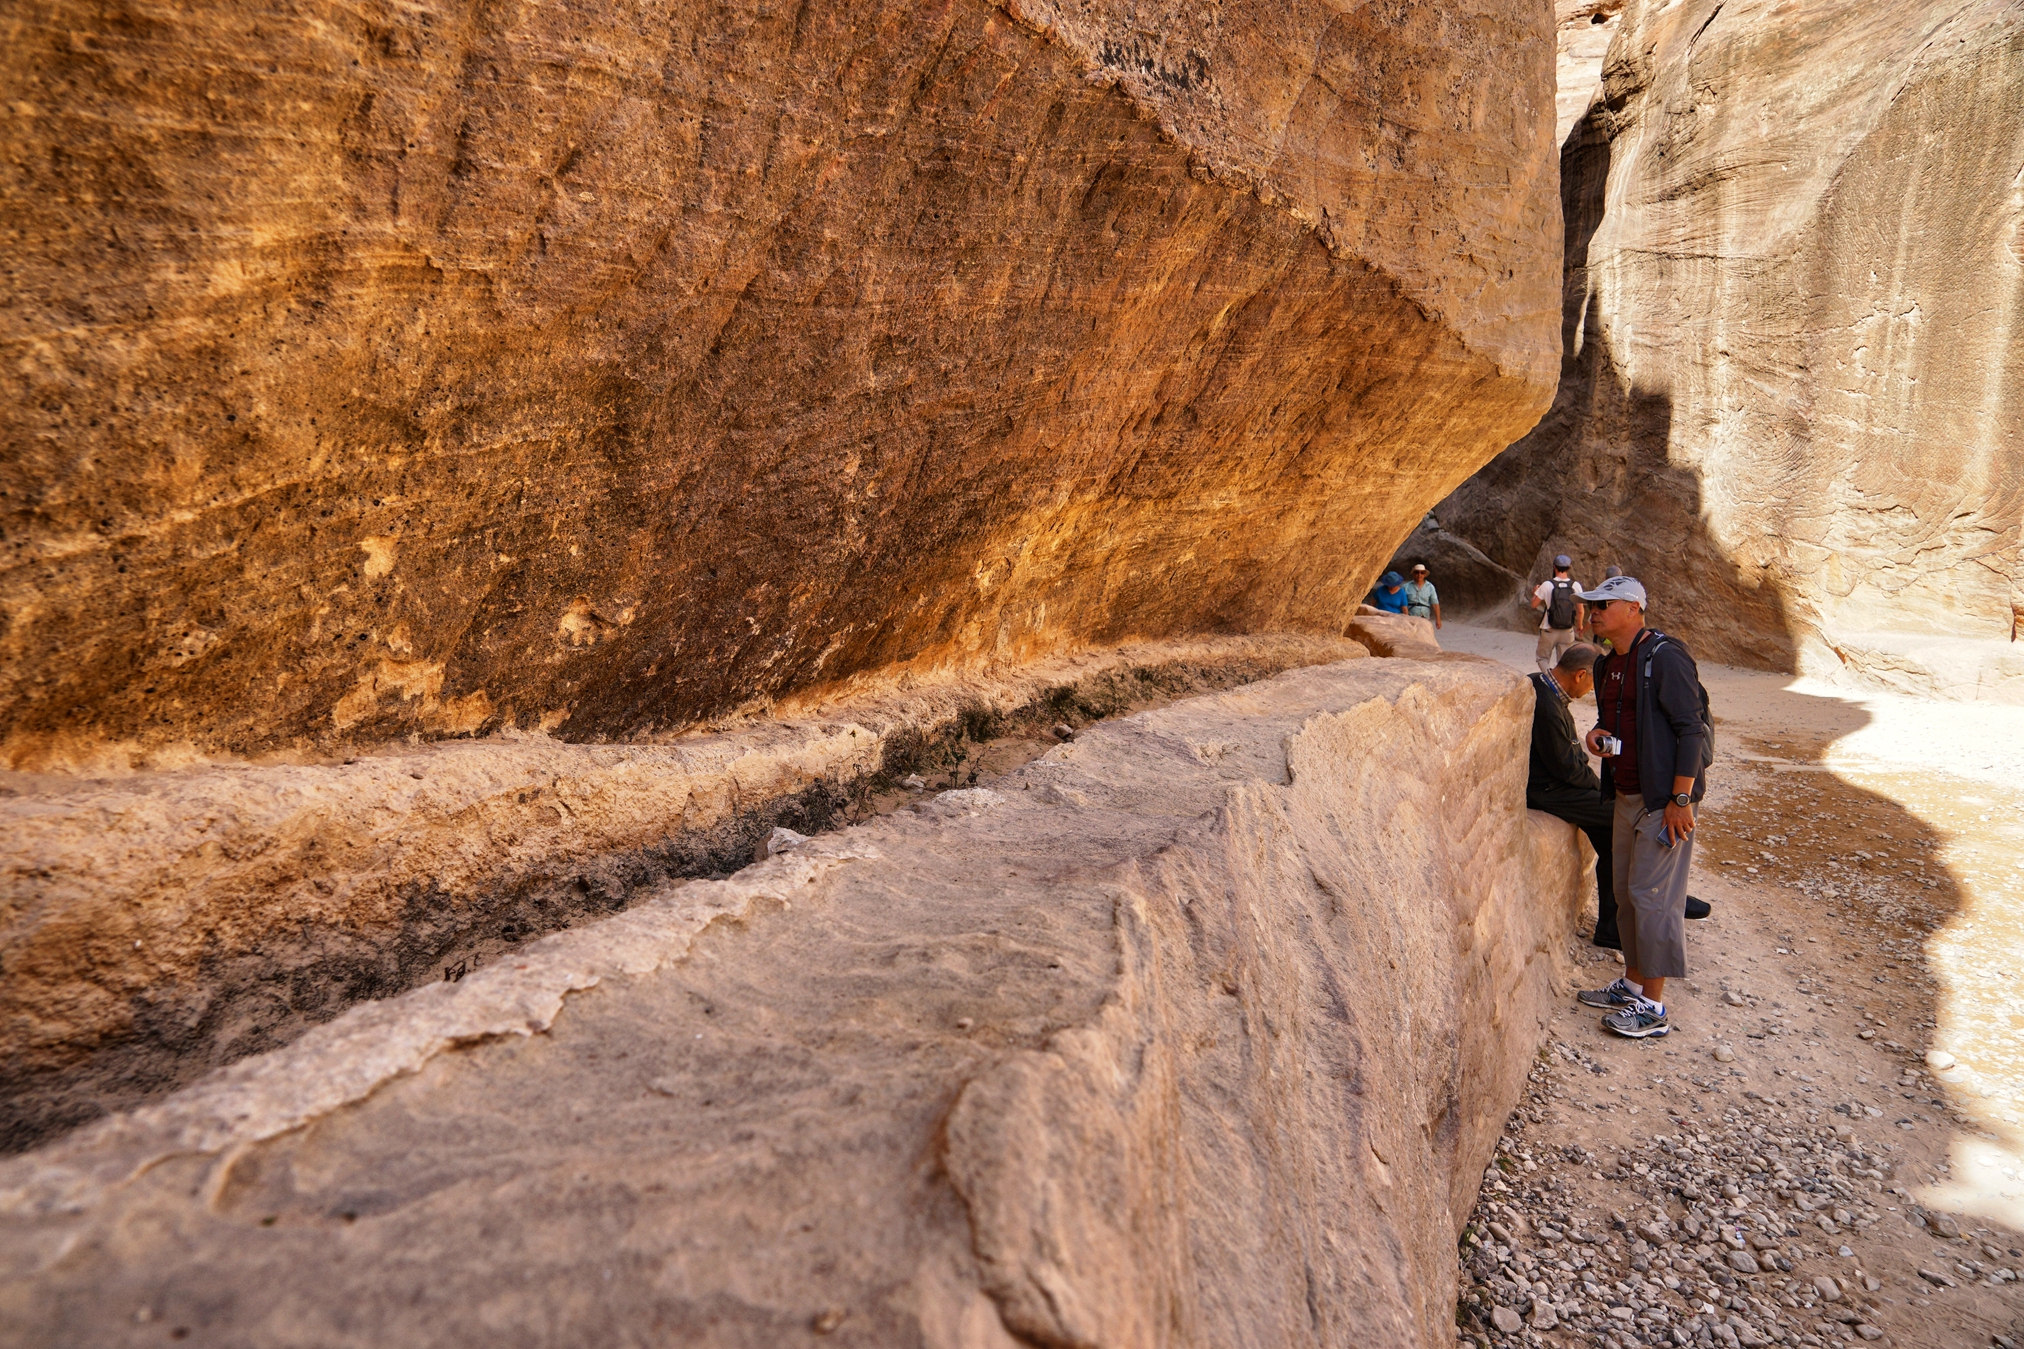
point(1636, 988)
point(1658, 1007)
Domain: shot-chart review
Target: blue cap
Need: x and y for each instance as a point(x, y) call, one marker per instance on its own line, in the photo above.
point(1391, 578)
point(1562, 562)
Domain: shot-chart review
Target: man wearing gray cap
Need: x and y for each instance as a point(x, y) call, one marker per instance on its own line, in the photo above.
point(1560, 598)
point(1655, 740)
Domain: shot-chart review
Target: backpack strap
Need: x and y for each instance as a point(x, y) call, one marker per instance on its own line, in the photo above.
point(1659, 639)
point(1654, 642)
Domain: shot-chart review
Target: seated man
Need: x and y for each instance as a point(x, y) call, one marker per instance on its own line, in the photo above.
point(1562, 783)
point(1390, 595)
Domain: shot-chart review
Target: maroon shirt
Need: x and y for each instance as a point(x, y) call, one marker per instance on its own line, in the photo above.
point(1618, 688)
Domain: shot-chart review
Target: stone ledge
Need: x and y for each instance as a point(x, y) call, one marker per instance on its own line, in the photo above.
point(1205, 1024)
point(166, 923)
point(1400, 635)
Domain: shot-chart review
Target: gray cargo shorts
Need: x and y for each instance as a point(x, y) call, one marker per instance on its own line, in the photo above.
point(1651, 890)
point(1553, 643)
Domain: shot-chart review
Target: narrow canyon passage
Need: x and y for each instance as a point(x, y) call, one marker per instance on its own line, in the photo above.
point(1860, 853)
point(702, 672)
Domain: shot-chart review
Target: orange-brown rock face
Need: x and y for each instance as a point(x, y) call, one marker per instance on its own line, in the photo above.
point(436, 369)
point(1794, 372)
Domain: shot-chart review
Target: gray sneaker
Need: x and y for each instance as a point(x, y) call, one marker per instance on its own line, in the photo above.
point(1618, 994)
point(1638, 1022)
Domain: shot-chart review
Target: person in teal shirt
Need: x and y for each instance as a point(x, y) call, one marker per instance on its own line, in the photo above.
point(1390, 594)
point(1422, 600)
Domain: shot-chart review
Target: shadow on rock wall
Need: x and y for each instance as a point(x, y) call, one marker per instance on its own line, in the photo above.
point(1595, 480)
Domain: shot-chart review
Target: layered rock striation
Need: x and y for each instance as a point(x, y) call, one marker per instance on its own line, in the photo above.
point(1199, 1030)
point(161, 924)
point(427, 370)
point(1792, 396)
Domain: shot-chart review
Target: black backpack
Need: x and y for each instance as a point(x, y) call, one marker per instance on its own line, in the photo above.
point(1657, 640)
point(1560, 609)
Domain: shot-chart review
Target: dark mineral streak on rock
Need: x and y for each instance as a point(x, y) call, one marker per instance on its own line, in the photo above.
point(431, 370)
point(164, 924)
point(1144, 1043)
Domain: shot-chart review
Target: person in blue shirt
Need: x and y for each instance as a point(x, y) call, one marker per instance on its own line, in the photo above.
point(1390, 594)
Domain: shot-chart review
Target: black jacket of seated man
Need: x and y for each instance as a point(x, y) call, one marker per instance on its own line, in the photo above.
point(1562, 783)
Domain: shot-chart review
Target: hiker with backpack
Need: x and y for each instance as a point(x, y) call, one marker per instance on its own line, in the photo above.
point(1565, 614)
point(1559, 781)
point(1655, 736)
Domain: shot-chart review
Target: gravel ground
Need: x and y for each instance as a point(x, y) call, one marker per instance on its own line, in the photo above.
point(1782, 1168)
point(1650, 1194)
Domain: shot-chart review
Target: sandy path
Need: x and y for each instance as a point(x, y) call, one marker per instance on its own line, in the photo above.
point(1862, 854)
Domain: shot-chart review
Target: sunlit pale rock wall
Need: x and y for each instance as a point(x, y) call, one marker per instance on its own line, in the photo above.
point(1793, 391)
point(389, 369)
point(1198, 1031)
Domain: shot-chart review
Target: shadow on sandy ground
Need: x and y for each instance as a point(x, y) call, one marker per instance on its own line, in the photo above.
point(1859, 853)
point(1881, 835)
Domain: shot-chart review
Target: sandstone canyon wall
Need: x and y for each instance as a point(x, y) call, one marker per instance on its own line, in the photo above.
point(387, 370)
point(469, 471)
point(1792, 394)
point(1147, 1044)
point(161, 924)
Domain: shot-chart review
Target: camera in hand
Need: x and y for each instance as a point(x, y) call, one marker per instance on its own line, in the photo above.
point(1608, 745)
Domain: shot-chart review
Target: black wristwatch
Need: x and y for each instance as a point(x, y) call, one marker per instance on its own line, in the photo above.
point(1682, 799)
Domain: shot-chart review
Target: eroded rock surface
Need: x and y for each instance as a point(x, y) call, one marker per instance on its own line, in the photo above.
point(426, 369)
point(1199, 1029)
point(1792, 377)
point(1396, 635)
point(161, 924)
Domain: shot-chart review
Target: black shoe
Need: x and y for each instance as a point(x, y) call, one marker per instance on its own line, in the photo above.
point(1697, 908)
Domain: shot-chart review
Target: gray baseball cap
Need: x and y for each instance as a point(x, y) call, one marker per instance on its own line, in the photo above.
point(1562, 562)
point(1616, 588)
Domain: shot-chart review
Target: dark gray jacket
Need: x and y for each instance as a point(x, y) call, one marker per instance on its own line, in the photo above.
point(1672, 740)
point(1558, 763)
